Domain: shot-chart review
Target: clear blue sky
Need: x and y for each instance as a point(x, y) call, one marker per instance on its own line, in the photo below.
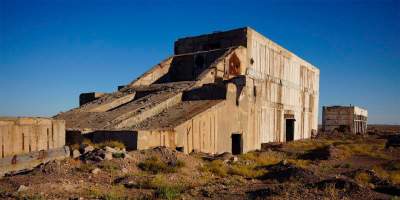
point(51, 51)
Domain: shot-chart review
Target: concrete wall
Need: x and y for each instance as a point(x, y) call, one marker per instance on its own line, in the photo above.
point(213, 41)
point(279, 84)
point(25, 135)
point(286, 87)
point(276, 85)
point(345, 119)
point(211, 130)
point(150, 139)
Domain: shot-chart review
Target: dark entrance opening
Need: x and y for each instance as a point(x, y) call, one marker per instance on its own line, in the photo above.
point(237, 147)
point(290, 129)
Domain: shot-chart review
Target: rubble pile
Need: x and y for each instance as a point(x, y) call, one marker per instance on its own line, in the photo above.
point(90, 154)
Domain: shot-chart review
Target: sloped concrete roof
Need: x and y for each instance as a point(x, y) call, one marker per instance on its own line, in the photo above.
point(176, 115)
point(82, 118)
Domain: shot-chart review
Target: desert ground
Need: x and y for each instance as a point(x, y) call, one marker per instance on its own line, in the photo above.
point(330, 166)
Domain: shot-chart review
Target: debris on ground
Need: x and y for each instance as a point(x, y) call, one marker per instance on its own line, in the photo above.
point(306, 169)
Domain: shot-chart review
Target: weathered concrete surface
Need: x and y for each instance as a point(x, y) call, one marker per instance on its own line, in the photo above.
point(26, 134)
point(226, 91)
point(22, 162)
point(351, 119)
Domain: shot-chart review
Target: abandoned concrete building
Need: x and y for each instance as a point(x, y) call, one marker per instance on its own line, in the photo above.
point(351, 119)
point(222, 92)
point(26, 142)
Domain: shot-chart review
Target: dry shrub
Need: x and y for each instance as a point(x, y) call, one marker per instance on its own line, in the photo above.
point(115, 192)
point(112, 144)
point(309, 144)
point(391, 175)
point(109, 166)
point(361, 148)
point(249, 171)
point(263, 158)
point(84, 142)
point(165, 189)
point(332, 192)
point(362, 178)
point(216, 167)
point(299, 163)
point(86, 167)
point(155, 165)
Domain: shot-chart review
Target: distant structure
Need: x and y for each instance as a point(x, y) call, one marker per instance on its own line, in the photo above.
point(26, 142)
point(351, 119)
point(223, 92)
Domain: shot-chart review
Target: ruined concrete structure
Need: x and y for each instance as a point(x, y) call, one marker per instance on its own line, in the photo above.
point(350, 119)
point(26, 142)
point(19, 135)
point(222, 92)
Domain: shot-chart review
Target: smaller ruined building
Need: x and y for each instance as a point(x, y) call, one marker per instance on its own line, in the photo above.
point(222, 92)
point(29, 141)
point(350, 119)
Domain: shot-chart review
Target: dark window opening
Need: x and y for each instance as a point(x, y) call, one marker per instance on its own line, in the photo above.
point(48, 139)
point(23, 142)
point(180, 149)
point(237, 144)
point(290, 129)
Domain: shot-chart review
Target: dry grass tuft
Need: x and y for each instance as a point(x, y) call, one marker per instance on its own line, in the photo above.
point(263, 158)
point(308, 144)
point(155, 165)
point(362, 178)
point(165, 189)
point(116, 192)
point(390, 175)
point(300, 163)
point(216, 167)
point(110, 167)
point(86, 167)
point(111, 143)
point(248, 171)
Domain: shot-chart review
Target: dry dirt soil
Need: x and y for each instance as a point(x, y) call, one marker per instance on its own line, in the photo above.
point(326, 167)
